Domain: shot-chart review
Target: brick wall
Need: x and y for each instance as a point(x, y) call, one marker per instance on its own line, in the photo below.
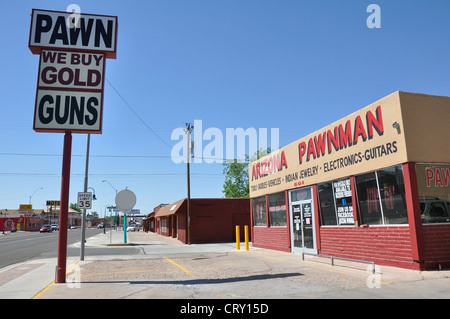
point(437, 245)
point(385, 245)
point(271, 238)
point(215, 220)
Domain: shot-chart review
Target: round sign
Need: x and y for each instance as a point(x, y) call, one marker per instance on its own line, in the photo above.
point(125, 200)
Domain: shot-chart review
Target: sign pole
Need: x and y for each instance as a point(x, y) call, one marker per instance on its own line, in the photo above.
point(125, 201)
point(64, 209)
point(124, 227)
point(83, 220)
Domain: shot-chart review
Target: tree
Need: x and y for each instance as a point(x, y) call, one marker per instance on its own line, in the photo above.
point(74, 206)
point(92, 215)
point(236, 183)
point(236, 179)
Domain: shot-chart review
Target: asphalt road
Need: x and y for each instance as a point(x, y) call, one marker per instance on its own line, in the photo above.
point(22, 246)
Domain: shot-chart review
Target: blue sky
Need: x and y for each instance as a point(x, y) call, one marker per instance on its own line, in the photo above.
point(290, 64)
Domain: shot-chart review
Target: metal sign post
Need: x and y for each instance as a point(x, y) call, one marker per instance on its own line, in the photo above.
point(83, 220)
point(64, 210)
point(84, 202)
point(125, 201)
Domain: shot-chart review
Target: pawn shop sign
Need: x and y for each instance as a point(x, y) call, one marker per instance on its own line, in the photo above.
point(73, 31)
point(69, 95)
point(70, 92)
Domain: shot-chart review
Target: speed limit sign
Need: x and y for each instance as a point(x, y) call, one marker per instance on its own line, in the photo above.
point(84, 200)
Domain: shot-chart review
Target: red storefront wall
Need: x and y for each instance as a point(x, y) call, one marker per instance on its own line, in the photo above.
point(385, 245)
point(437, 245)
point(412, 246)
point(276, 238)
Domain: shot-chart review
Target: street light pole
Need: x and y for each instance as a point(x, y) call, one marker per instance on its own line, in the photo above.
point(116, 195)
point(34, 193)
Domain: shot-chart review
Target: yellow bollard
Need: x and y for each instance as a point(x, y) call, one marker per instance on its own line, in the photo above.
point(238, 239)
point(246, 237)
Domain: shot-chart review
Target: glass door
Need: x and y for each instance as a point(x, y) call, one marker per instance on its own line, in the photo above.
point(302, 221)
point(296, 222)
point(307, 224)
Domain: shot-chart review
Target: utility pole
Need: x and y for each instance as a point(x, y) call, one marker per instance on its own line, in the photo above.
point(188, 131)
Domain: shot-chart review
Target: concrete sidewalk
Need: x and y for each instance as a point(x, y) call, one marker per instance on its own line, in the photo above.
point(162, 267)
point(27, 279)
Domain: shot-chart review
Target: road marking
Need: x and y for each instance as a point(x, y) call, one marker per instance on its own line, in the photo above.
point(53, 282)
point(179, 266)
point(150, 270)
point(43, 291)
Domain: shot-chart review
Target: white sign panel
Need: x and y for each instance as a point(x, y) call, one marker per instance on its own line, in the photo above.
point(84, 200)
point(69, 94)
point(61, 111)
point(67, 30)
point(71, 70)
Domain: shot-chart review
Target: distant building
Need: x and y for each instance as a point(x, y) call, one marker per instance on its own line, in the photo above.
point(212, 219)
point(33, 219)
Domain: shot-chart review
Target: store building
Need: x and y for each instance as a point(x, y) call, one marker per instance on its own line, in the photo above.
point(18, 219)
point(211, 219)
point(373, 186)
point(149, 222)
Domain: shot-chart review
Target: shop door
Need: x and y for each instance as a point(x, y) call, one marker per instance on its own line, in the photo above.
point(302, 227)
point(175, 226)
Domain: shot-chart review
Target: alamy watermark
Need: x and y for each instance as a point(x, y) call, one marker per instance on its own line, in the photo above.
point(73, 278)
point(374, 277)
point(374, 19)
point(212, 145)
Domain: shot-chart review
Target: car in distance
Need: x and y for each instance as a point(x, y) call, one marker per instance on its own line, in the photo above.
point(132, 228)
point(54, 227)
point(45, 229)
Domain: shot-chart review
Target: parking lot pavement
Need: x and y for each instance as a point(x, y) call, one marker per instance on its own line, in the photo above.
point(166, 268)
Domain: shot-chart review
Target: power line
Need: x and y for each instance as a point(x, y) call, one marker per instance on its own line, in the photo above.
point(140, 119)
point(112, 174)
point(121, 156)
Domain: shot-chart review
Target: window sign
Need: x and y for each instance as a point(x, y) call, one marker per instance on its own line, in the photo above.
point(335, 199)
point(434, 192)
point(343, 201)
point(301, 194)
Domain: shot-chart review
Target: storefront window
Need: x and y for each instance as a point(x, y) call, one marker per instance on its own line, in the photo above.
point(381, 197)
point(434, 192)
point(259, 211)
point(326, 201)
point(392, 191)
point(369, 204)
point(336, 203)
point(277, 209)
